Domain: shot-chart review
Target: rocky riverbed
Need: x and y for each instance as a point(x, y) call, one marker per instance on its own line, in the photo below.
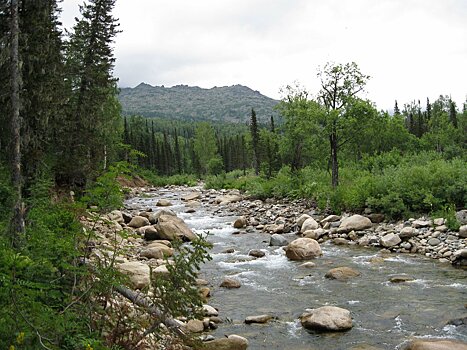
point(269, 256)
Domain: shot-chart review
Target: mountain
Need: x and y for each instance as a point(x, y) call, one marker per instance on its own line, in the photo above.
point(227, 103)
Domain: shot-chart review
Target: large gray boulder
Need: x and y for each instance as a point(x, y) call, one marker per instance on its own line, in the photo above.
point(461, 216)
point(354, 223)
point(327, 318)
point(156, 251)
point(463, 231)
point(232, 342)
point(303, 249)
point(172, 227)
point(430, 344)
point(138, 273)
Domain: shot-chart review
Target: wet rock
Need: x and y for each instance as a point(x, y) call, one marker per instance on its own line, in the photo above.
point(400, 279)
point(240, 222)
point(308, 264)
point(172, 227)
point(229, 251)
point(256, 253)
point(342, 273)
point(204, 292)
point(232, 342)
point(354, 223)
point(340, 241)
point(428, 344)
point(209, 310)
point(230, 283)
point(327, 318)
point(390, 240)
point(309, 224)
point(258, 319)
point(303, 249)
point(277, 240)
point(138, 273)
point(139, 221)
point(163, 203)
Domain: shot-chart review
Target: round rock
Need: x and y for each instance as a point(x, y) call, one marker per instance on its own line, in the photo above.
point(327, 318)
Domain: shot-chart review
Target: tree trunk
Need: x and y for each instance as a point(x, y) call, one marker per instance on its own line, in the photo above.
point(17, 224)
point(334, 163)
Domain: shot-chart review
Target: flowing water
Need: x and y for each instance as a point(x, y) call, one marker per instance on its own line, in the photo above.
point(384, 314)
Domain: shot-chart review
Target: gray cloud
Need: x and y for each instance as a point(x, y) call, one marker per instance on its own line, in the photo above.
point(413, 49)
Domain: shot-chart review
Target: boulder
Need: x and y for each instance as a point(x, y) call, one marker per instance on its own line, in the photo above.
point(376, 218)
point(156, 251)
point(461, 216)
point(171, 227)
point(408, 232)
point(209, 310)
point(327, 318)
point(258, 319)
point(341, 273)
point(400, 279)
point(163, 203)
point(460, 257)
point(116, 215)
point(227, 199)
point(390, 240)
point(330, 218)
point(355, 223)
point(340, 241)
point(302, 219)
point(274, 228)
point(148, 232)
point(191, 196)
point(138, 273)
point(240, 222)
point(195, 326)
point(138, 221)
point(308, 264)
point(303, 249)
point(314, 234)
point(421, 223)
point(463, 231)
point(257, 253)
point(278, 241)
point(161, 212)
point(430, 344)
point(230, 283)
point(309, 224)
point(232, 342)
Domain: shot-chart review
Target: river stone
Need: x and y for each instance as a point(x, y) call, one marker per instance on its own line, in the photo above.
point(433, 241)
point(232, 342)
point(376, 218)
point(256, 253)
point(163, 203)
point(390, 240)
point(138, 221)
point(408, 232)
point(274, 228)
point(463, 231)
point(309, 224)
point(149, 233)
point(204, 292)
point(227, 199)
point(258, 319)
point(308, 264)
point(461, 216)
point(327, 318)
point(240, 222)
point(426, 344)
point(116, 215)
point(438, 221)
point(230, 283)
point(278, 241)
point(314, 234)
point(421, 223)
point(137, 272)
point(303, 249)
point(209, 310)
point(354, 223)
point(340, 241)
point(400, 279)
point(330, 218)
point(164, 211)
point(171, 227)
point(341, 273)
point(191, 196)
point(157, 251)
point(195, 326)
point(302, 219)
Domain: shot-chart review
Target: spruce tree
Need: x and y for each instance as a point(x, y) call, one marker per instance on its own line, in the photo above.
point(254, 140)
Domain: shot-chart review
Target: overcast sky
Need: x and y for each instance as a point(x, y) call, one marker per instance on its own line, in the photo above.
point(412, 49)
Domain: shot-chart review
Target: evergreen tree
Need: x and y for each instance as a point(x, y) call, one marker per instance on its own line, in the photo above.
point(396, 109)
point(254, 141)
point(453, 113)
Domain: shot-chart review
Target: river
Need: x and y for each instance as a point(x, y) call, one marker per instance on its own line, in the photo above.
point(385, 314)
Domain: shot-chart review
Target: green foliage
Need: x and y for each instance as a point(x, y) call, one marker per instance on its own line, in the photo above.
point(176, 293)
point(159, 181)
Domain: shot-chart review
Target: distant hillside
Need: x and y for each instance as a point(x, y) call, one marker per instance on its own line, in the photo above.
point(228, 103)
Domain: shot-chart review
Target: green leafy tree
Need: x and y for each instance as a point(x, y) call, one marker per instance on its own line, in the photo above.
point(205, 145)
point(340, 85)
